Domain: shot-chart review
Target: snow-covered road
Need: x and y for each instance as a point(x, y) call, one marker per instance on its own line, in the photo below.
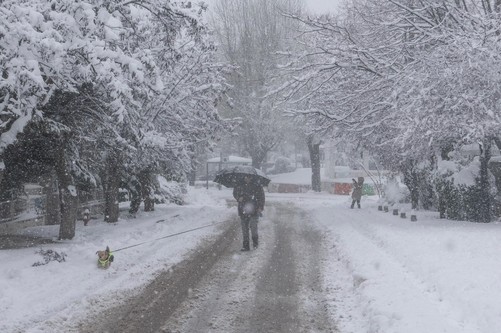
point(321, 267)
point(276, 288)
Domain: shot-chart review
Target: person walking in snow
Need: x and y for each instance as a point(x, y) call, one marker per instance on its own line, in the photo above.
point(356, 195)
point(250, 198)
point(86, 216)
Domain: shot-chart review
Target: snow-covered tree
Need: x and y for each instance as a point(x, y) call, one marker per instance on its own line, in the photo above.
point(126, 80)
point(402, 77)
point(252, 34)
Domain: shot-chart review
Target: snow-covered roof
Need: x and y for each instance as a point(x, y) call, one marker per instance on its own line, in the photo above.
point(230, 159)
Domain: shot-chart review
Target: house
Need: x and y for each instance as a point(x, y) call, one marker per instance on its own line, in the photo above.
point(217, 163)
point(213, 165)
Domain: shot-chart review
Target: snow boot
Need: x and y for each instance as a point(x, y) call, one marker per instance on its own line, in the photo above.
point(245, 247)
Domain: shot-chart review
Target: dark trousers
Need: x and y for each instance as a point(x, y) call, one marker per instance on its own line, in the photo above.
point(249, 222)
point(353, 203)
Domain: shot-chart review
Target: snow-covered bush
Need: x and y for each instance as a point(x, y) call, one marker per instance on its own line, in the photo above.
point(282, 165)
point(395, 192)
point(170, 191)
point(449, 199)
point(459, 192)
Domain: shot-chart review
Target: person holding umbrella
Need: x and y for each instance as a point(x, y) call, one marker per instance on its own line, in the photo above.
point(247, 183)
point(250, 197)
point(356, 195)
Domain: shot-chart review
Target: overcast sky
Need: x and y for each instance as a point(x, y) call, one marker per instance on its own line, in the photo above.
point(322, 6)
point(315, 6)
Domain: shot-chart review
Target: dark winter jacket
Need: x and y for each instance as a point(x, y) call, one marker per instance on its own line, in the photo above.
point(252, 202)
point(357, 188)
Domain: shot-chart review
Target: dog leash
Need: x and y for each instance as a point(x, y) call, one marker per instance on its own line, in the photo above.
point(172, 235)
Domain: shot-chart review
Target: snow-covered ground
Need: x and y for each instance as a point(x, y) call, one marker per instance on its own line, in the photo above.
point(33, 296)
point(400, 276)
point(412, 277)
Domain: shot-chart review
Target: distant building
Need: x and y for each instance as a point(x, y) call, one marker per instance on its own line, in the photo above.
point(215, 164)
point(338, 162)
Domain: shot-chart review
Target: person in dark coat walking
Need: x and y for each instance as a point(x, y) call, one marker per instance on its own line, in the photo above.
point(250, 198)
point(86, 216)
point(356, 195)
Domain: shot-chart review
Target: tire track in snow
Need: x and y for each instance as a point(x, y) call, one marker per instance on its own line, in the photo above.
point(273, 289)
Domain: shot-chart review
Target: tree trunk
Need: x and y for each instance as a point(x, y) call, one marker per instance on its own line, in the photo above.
point(52, 206)
point(149, 204)
point(192, 174)
point(111, 209)
point(426, 193)
point(442, 206)
point(68, 199)
point(111, 183)
point(135, 195)
point(497, 141)
point(486, 205)
point(495, 166)
point(411, 181)
point(145, 178)
point(192, 177)
point(486, 4)
point(257, 150)
point(314, 149)
point(257, 160)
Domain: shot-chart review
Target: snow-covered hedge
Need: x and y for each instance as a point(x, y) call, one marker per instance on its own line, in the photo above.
point(459, 192)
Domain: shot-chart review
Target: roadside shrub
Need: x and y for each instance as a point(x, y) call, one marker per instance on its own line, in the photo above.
point(170, 191)
point(449, 199)
point(460, 201)
point(282, 165)
point(395, 192)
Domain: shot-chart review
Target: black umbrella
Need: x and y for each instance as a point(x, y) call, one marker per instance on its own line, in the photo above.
point(230, 177)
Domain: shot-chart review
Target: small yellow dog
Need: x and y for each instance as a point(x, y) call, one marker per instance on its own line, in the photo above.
point(105, 258)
